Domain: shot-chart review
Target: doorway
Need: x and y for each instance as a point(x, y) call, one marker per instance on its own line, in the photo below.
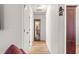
point(37, 29)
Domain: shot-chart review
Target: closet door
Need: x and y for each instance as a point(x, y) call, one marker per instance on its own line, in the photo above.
point(70, 29)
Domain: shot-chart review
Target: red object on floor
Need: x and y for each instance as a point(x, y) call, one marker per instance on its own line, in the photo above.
point(13, 50)
point(23, 51)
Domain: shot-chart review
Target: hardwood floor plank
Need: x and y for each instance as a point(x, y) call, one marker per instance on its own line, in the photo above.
point(39, 47)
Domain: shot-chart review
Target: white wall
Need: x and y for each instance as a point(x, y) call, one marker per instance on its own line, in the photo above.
point(55, 30)
point(42, 17)
point(28, 27)
point(11, 16)
point(43, 27)
point(31, 26)
point(77, 25)
point(26, 22)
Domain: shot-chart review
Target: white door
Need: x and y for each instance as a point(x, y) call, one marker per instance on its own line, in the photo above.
point(26, 29)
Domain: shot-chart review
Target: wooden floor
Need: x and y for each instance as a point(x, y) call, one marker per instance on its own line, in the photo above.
point(39, 47)
point(77, 49)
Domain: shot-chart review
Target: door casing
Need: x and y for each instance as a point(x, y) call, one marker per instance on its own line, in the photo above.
point(34, 27)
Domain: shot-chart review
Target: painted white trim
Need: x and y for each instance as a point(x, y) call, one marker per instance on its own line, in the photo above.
point(23, 27)
point(65, 30)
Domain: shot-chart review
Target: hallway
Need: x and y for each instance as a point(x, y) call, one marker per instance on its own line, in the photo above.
point(39, 47)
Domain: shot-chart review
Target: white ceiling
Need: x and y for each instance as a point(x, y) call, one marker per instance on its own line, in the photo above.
point(39, 8)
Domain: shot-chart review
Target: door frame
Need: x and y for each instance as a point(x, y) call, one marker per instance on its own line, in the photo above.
point(23, 29)
point(34, 27)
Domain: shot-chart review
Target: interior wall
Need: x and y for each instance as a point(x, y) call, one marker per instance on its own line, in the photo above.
point(31, 26)
point(42, 17)
point(43, 27)
point(11, 16)
point(28, 28)
point(77, 25)
point(55, 30)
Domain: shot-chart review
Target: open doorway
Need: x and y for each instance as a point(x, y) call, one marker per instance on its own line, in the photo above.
point(37, 29)
point(39, 45)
